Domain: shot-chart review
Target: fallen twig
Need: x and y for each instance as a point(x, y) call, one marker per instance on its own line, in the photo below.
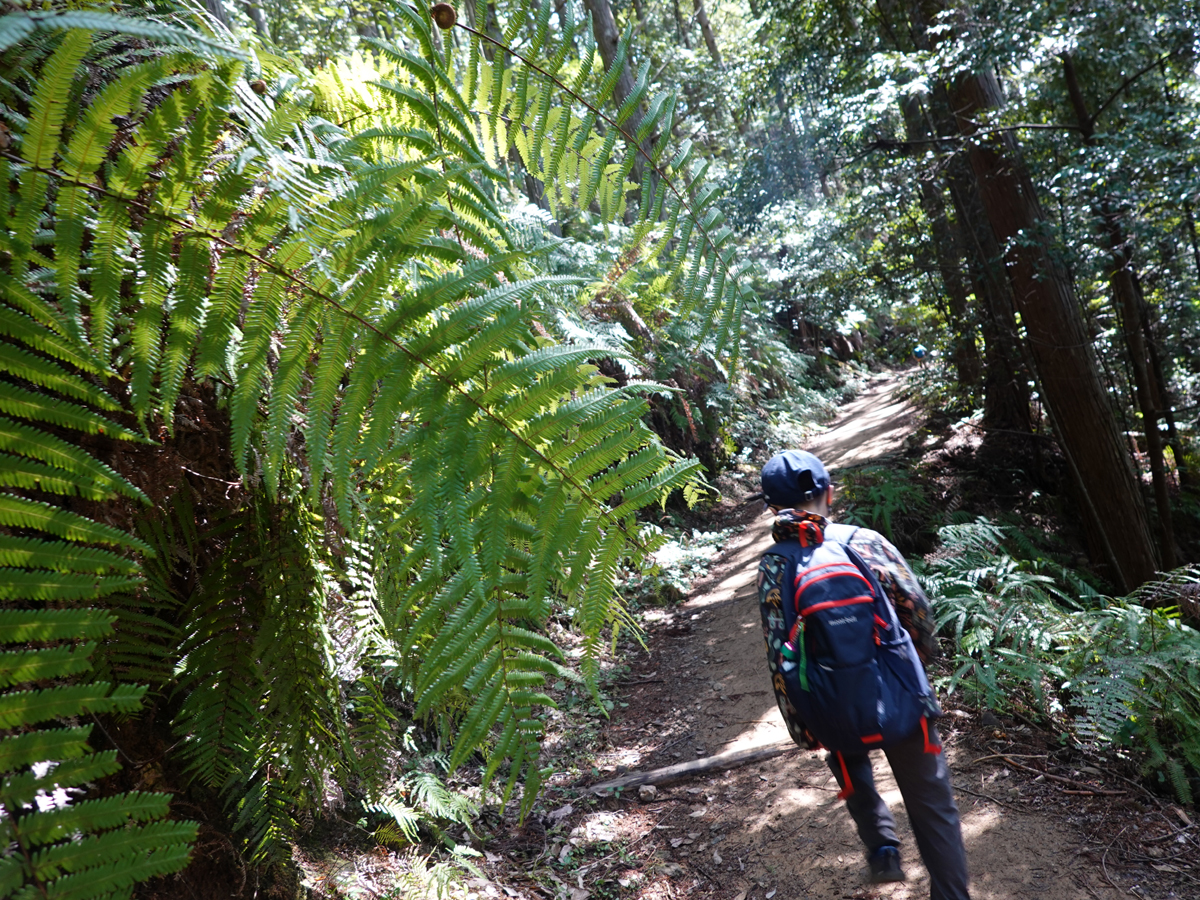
point(1093, 792)
point(1104, 862)
point(1003, 803)
point(680, 771)
point(1079, 786)
point(1166, 837)
point(1005, 756)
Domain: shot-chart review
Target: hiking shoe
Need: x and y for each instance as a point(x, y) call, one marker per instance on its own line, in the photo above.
point(885, 865)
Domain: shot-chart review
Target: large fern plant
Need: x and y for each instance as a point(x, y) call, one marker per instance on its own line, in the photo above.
point(61, 564)
point(414, 441)
point(1107, 671)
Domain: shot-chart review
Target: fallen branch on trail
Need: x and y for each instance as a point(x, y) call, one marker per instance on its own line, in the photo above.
point(680, 771)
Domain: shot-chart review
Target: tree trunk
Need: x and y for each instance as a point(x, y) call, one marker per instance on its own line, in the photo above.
point(608, 36)
point(604, 27)
point(1006, 389)
point(1125, 293)
point(965, 355)
point(254, 11)
point(1006, 405)
point(681, 30)
point(1190, 219)
point(710, 39)
point(216, 8)
point(1160, 393)
point(1059, 345)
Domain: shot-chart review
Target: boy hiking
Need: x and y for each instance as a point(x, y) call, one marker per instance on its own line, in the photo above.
point(847, 630)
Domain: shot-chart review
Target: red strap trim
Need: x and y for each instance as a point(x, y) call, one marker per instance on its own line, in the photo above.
point(872, 738)
point(831, 604)
point(929, 748)
point(848, 570)
point(795, 630)
point(847, 790)
point(881, 623)
point(811, 569)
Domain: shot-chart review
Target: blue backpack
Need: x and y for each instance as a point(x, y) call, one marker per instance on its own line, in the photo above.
point(848, 668)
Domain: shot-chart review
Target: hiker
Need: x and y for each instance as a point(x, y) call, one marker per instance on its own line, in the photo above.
point(798, 490)
point(920, 353)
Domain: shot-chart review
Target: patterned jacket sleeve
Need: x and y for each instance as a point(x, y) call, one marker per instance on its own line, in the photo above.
point(900, 584)
point(771, 574)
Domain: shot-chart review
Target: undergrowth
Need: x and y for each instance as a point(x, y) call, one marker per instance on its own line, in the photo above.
point(1119, 675)
point(673, 567)
point(891, 499)
point(934, 387)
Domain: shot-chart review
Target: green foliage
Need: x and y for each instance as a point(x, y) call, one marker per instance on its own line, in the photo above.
point(677, 223)
point(1107, 671)
point(680, 560)
point(419, 455)
point(266, 734)
point(59, 845)
point(933, 387)
point(889, 498)
point(61, 566)
point(421, 801)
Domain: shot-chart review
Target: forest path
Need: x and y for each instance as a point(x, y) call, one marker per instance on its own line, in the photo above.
point(775, 830)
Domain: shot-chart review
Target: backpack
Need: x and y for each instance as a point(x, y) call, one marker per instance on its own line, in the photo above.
point(848, 668)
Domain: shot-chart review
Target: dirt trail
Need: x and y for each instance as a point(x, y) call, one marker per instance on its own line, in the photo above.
point(775, 830)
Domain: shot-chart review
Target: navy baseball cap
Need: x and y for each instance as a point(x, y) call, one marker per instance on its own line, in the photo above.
point(793, 478)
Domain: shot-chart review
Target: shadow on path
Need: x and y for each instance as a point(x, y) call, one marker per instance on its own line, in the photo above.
point(774, 830)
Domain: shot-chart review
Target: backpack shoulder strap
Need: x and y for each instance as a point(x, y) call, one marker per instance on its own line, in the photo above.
point(843, 534)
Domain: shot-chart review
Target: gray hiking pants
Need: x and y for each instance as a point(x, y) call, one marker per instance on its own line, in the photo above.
point(924, 782)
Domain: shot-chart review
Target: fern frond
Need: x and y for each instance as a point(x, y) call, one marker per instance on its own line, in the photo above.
point(69, 847)
point(19, 26)
point(371, 322)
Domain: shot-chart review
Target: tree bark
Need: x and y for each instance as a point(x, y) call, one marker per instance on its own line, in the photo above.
point(1060, 350)
point(1160, 394)
point(1125, 293)
point(1059, 344)
point(1006, 406)
point(965, 355)
point(710, 39)
point(681, 30)
point(608, 36)
point(680, 771)
point(604, 28)
point(216, 8)
point(254, 11)
point(1005, 383)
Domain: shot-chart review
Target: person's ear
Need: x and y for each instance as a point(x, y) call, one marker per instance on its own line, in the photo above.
point(829, 496)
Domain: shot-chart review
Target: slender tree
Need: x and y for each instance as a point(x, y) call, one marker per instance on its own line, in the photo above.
point(964, 352)
point(1059, 344)
point(1123, 279)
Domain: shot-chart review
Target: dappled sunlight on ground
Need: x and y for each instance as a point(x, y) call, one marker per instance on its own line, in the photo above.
point(774, 829)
